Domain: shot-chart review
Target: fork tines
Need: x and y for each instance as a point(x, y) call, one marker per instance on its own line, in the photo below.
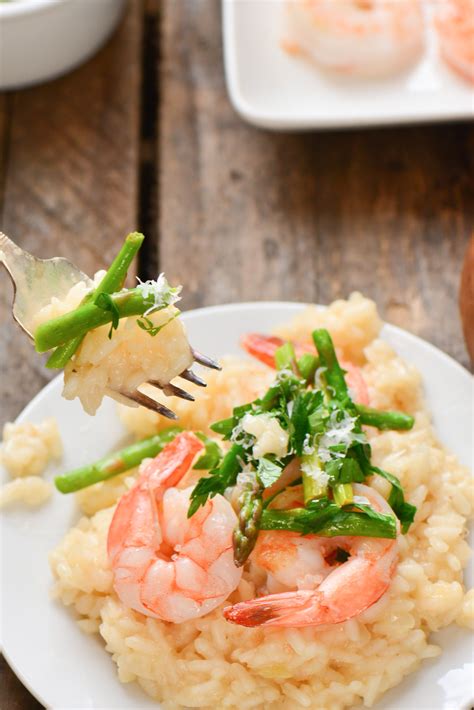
point(149, 403)
point(172, 390)
point(205, 360)
point(191, 376)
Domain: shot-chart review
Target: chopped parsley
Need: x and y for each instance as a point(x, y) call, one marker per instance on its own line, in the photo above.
point(311, 402)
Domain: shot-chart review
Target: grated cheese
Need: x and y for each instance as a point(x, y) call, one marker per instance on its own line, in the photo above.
point(270, 437)
point(310, 466)
point(308, 445)
point(163, 294)
point(339, 432)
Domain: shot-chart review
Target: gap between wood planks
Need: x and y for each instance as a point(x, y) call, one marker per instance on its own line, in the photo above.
point(148, 187)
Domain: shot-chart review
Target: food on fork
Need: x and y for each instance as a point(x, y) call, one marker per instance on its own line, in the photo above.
point(103, 348)
point(93, 329)
point(297, 553)
point(455, 26)
point(356, 37)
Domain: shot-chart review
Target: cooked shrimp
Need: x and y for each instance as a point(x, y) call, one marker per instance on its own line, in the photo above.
point(166, 565)
point(327, 592)
point(455, 25)
point(263, 347)
point(365, 37)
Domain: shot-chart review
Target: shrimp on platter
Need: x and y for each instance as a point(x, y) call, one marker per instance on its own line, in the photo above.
point(264, 347)
point(328, 591)
point(454, 23)
point(357, 37)
point(166, 565)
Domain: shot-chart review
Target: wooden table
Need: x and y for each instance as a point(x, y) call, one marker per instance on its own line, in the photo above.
point(143, 136)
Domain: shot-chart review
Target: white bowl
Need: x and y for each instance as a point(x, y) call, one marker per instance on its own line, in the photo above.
point(42, 39)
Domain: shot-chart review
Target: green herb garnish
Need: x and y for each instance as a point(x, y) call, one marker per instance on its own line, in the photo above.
point(324, 430)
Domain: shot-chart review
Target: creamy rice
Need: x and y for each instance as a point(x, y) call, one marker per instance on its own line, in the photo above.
point(120, 364)
point(26, 451)
point(30, 490)
point(210, 663)
point(27, 448)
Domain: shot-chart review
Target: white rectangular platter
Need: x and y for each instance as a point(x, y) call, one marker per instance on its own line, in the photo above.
point(272, 89)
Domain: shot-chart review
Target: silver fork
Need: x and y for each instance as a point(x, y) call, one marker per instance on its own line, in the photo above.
point(35, 281)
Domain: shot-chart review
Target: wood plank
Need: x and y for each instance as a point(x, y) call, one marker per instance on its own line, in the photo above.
point(13, 694)
point(69, 174)
point(248, 214)
point(5, 105)
point(70, 185)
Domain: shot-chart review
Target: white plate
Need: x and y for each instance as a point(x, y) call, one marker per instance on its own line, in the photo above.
point(271, 89)
point(65, 668)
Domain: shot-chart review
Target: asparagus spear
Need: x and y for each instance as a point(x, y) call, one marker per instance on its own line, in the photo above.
point(77, 323)
point(312, 488)
point(329, 523)
point(334, 374)
point(285, 357)
point(307, 365)
point(116, 463)
point(112, 281)
point(384, 420)
point(250, 506)
point(343, 494)
point(336, 389)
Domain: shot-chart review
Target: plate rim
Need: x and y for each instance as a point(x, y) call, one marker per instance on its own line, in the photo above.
point(210, 310)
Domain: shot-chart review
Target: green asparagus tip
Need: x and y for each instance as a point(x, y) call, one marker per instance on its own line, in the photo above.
point(135, 238)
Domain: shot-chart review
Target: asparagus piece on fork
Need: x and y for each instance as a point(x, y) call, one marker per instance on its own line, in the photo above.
point(78, 322)
point(112, 281)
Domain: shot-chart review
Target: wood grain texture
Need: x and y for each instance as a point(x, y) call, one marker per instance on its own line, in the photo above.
point(237, 213)
point(14, 695)
point(247, 214)
point(466, 298)
point(68, 186)
point(70, 183)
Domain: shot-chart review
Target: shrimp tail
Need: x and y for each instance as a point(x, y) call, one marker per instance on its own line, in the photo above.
point(302, 608)
point(349, 590)
point(173, 462)
point(262, 347)
point(275, 609)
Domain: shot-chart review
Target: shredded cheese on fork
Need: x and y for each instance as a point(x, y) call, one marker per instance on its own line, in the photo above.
point(163, 294)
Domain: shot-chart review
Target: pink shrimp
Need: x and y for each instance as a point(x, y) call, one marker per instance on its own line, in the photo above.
point(455, 26)
point(356, 37)
point(165, 564)
point(263, 347)
point(336, 592)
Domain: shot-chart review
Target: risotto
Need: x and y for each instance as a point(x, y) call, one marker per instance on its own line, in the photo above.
point(28, 448)
point(105, 365)
point(26, 451)
point(208, 662)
